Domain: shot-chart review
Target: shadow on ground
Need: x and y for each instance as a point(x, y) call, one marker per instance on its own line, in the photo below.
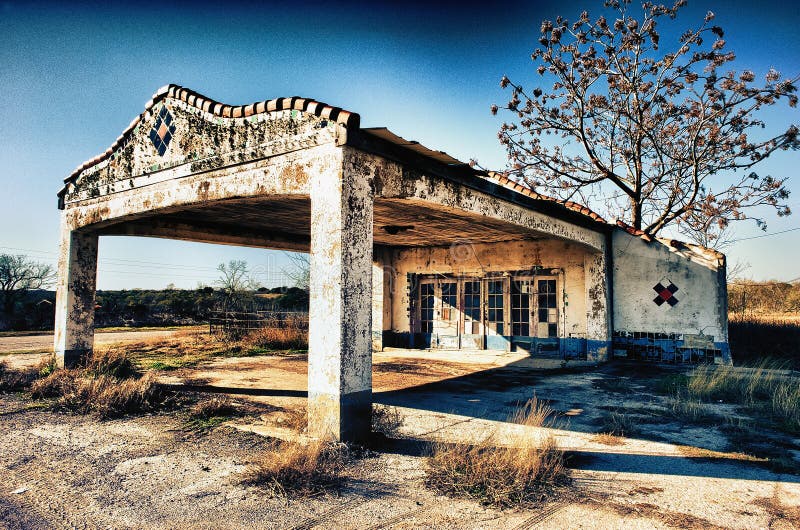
point(578, 396)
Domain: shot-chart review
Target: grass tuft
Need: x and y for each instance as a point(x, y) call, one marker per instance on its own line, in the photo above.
point(107, 387)
point(766, 387)
point(114, 362)
point(693, 410)
point(608, 439)
point(386, 420)
point(299, 469)
point(210, 413)
point(524, 472)
point(619, 424)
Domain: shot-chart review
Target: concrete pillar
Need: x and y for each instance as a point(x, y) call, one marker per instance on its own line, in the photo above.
point(340, 330)
point(598, 307)
point(75, 292)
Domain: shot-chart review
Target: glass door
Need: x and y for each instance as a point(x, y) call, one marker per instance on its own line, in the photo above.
point(496, 323)
point(446, 323)
point(471, 324)
point(546, 308)
point(522, 313)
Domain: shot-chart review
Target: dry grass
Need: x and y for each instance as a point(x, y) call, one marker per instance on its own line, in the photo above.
point(103, 395)
point(210, 413)
point(191, 348)
point(765, 387)
point(295, 419)
point(107, 387)
point(386, 420)
point(183, 349)
point(14, 380)
point(289, 337)
point(214, 407)
point(617, 423)
point(690, 451)
point(608, 439)
point(693, 410)
point(659, 513)
point(778, 511)
point(754, 336)
point(523, 472)
point(112, 362)
point(299, 469)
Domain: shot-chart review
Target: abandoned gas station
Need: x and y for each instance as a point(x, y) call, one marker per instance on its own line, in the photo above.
point(409, 247)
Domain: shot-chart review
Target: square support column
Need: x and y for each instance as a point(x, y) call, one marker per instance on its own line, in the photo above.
point(75, 297)
point(340, 325)
point(598, 307)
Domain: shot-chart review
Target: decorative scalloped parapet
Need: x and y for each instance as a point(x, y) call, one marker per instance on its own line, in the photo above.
point(185, 132)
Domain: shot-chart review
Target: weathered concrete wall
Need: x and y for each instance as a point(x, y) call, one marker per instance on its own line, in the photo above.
point(466, 259)
point(597, 289)
point(201, 142)
point(75, 296)
point(394, 181)
point(283, 175)
point(698, 318)
point(340, 331)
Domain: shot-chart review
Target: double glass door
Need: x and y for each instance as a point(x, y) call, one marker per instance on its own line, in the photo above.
point(488, 312)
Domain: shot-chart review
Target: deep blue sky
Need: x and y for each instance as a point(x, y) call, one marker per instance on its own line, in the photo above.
point(73, 77)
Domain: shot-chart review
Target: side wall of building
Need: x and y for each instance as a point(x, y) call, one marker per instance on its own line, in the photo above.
point(670, 301)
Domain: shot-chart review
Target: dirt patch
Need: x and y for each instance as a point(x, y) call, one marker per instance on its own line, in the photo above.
point(670, 518)
point(781, 514)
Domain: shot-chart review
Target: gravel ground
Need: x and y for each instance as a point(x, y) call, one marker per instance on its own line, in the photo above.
point(66, 471)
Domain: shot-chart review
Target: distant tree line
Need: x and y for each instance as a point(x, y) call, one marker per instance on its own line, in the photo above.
point(35, 309)
point(763, 297)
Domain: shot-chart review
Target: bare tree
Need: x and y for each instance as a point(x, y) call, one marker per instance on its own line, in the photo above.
point(300, 273)
point(735, 271)
point(660, 138)
point(19, 274)
point(235, 278)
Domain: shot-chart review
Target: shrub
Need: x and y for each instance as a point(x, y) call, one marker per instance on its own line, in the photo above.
point(522, 473)
point(290, 468)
